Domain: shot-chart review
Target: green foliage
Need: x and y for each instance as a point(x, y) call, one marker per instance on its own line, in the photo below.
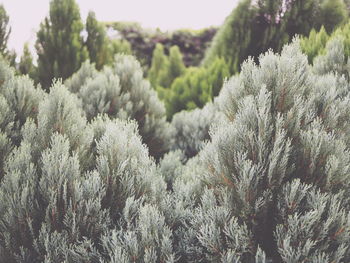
point(5, 31)
point(119, 46)
point(253, 27)
point(195, 88)
point(173, 69)
point(159, 64)
point(232, 40)
point(165, 69)
point(59, 42)
point(315, 44)
point(26, 66)
point(96, 42)
point(100, 47)
point(333, 13)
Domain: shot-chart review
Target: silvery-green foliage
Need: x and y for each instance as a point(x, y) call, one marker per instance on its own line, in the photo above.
point(56, 210)
point(221, 237)
point(312, 225)
point(192, 128)
point(60, 213)
point(23, 100)
point(277, 129)
point(171, 166)
point(19, 100)
point(122, 92)
point(60, 112)
point(6, 73)
point(333, 60)
point(19, 208)
point(178, 205)
point(74, 218)
point(145, 236)
point(125, 167)
point(79, 79)
point(101, 94)
point(142, 105)
point(6, 124)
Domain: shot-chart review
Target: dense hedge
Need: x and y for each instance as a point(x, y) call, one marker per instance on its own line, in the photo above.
point(192, 43)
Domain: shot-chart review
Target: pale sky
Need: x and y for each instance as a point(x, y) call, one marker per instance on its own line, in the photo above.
point(26, 15)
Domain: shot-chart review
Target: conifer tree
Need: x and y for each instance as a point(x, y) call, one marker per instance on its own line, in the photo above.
point(253, 27)
point(196, 87)
point(165, 69)
point(122, 92)
point(26, 66)
point(19, 101)
point(80, 78)
point(175, 68)
point(159, 64)
point(96, 42)
point(118, 46)
point(59, 42)
point(5, 31)
point(315, 44)
point(276, 166)
point(83, 190)
point(333, 13)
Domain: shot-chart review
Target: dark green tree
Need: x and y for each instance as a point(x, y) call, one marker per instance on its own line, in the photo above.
point(97, 41)
point(253, 27)
point(333, 13)
point(59, 42)
point(26, 66)
point(5, 31)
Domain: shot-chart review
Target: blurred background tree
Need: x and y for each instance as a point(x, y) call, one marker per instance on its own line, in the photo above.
point(253, 27)
point(60, 46)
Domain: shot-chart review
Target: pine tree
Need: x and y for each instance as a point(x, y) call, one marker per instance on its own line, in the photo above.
point(96, 42)
point(159, 64)
point(333, 13)
point(195, 88)
point(165, 69)
point(253, 27)
point(315, 44)
point(59, 42)
point(26, 66)
point(5, 31)
point(174, 68)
